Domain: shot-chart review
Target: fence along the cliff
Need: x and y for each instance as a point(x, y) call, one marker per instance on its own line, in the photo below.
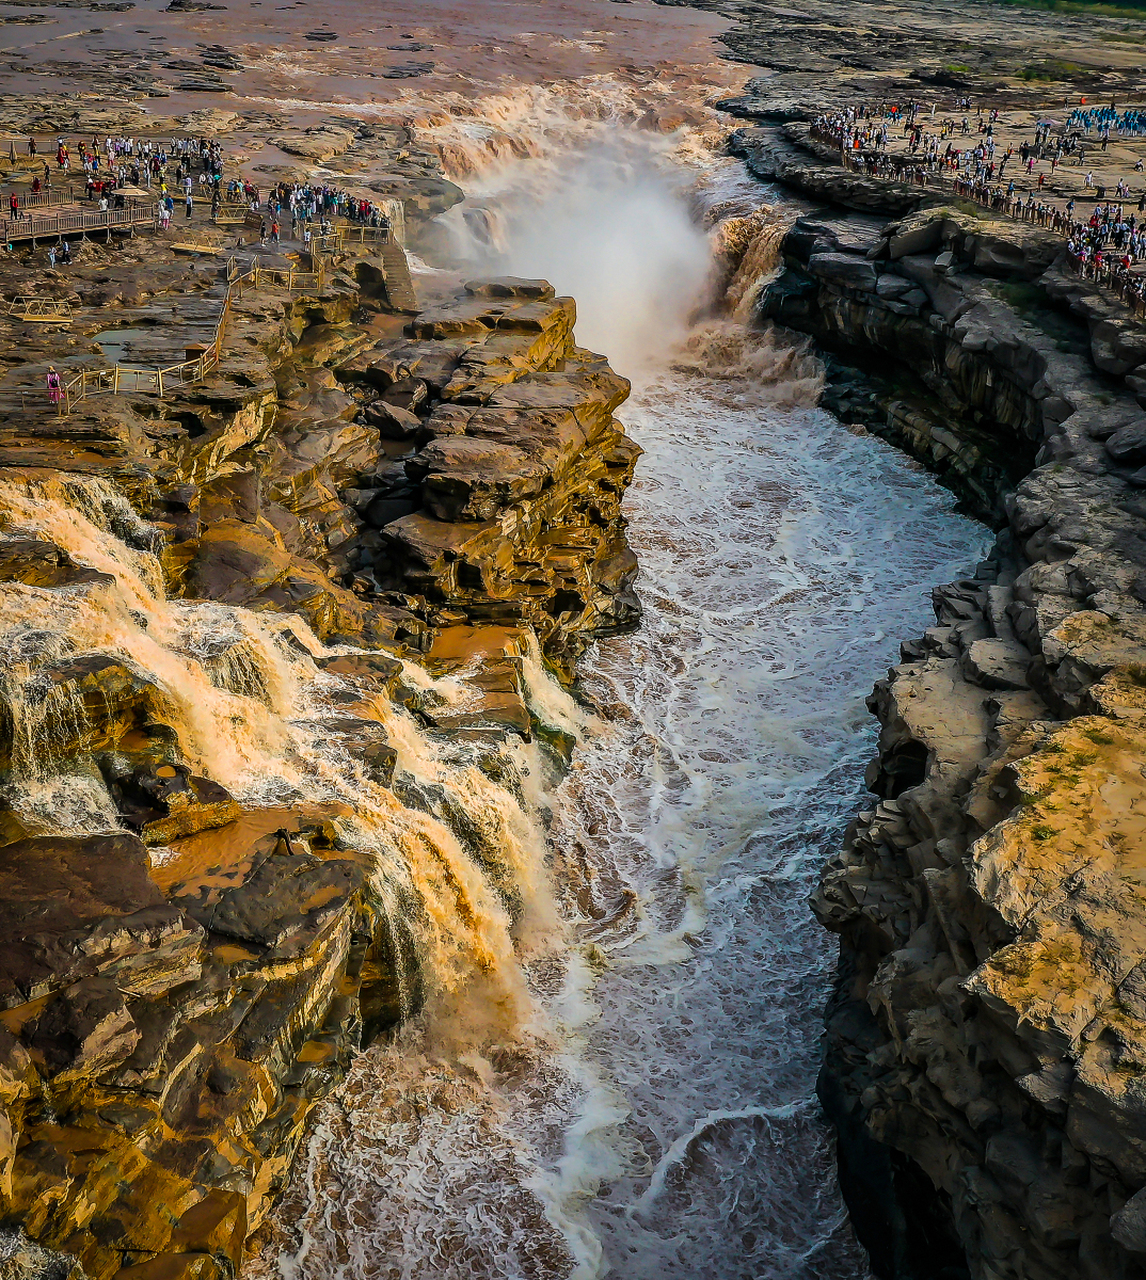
point(129, 380)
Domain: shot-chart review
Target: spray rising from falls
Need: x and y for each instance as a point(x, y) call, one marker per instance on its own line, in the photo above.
point(622, 227)
point(107, 677)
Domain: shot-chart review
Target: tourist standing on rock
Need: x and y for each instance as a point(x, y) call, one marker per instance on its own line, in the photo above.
point(55, 390)
point(52, 256)
point(190, 203)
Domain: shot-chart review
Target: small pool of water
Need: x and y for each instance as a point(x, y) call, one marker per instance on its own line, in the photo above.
point(123, 346)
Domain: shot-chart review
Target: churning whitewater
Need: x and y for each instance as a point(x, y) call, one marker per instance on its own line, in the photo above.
point(654, 1114)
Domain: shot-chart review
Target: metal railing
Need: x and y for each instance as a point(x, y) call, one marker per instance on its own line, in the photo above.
point(353, 233)
point(71, 194)
point(32, 308)
point(1129, 286)
point(122, 379)
point(129, 380)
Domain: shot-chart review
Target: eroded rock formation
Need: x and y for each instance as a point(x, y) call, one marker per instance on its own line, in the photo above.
point(987, 1043)
point(175, 995)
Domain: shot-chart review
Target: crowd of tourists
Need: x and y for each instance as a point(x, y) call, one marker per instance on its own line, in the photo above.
point(1128, 123)
point(302, 204)
point(187, 170)
point(305, 202)
point(863, 136)
point(1105, 246)
point(109, 164)
point(138, 161)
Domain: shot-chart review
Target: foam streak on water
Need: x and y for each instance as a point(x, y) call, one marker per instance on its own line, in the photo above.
point(782, 559)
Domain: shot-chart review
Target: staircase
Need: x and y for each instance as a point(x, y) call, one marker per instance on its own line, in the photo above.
point(399, 284)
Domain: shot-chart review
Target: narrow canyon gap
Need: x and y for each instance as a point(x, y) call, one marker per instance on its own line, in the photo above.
point(662, 1120)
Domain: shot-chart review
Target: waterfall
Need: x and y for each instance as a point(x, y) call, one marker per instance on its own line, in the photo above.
point(105, 667)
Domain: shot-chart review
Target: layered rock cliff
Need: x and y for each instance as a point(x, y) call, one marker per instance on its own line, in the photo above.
point(244, 828)
point(986, 1046)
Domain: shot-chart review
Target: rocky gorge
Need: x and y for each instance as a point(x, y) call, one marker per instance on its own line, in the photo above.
point(280, 757)
point(985, 1046)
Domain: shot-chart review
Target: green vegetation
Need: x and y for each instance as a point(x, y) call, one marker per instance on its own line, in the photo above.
point(973, 210)
point(1043, 833)
point(1099, 738)
point(1031, 304)
point(1051, 69)
point(1127, 9)
point(956, 67)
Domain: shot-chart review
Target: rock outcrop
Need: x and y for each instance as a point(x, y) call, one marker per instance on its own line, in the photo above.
point(513, 500)
point(177, 994)
point(987, 1040)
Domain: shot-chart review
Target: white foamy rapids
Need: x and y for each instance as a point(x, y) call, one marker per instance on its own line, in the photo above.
point(251, 710)
point(478, 137)
point(782, 558)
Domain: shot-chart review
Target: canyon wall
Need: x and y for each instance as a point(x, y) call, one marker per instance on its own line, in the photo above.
point(265, 731)
point(986, 1049)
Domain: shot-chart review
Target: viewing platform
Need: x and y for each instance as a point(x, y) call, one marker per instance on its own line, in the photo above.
point(72, 219)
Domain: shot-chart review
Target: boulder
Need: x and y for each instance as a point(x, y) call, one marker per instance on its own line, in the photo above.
point(1127, 446)
point(392, 420)
point(319, 144)
point(844, 270)
point(74, 907)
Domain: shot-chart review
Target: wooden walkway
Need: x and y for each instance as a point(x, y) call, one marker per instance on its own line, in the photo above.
point(65, 222)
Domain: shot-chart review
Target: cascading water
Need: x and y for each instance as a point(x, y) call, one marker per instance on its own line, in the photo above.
point(240, 700)
point(652, 1115)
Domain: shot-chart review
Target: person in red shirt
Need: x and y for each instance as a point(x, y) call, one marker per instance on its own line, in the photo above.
point(14, 205)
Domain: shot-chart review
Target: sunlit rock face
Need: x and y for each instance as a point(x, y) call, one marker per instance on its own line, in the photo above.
point(522, 469)
point(987, 1035)
point(232, 853)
